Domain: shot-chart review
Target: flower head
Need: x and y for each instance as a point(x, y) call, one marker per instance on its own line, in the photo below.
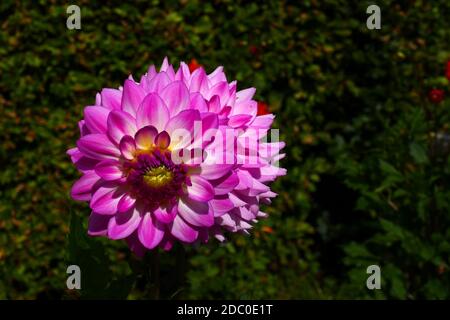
point(177, 156)
point(436, 95)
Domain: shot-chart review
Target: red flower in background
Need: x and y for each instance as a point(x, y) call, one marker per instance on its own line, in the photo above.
point(436, 95)
point(254, 50)
point(263, 109)
point(447, 70)
point(193, 65)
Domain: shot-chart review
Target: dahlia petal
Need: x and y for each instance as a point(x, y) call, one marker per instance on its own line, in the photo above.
point(135, 245)
point(151, 72)
point(96, 119)
point(196, 213)
point(132, 96)
point(199, 81)
point(198, 102)
point(217, 75)
point(152, 111)
point(162, 140)
point(215, 171)
point(245, 95)
point(221, 206)
point(122, 225)
point(125, 203)
point(214, 104)
point(127, 147)
point(108, 170)
point(183, 231)
point(183, 74)
point(83, 128)
point(105, 199)
point(97, 146)
point(145, 137)
point(167, 242)
point(111, 98)
point(176, 97)
point(245, 107)
point(181, 128)
point(200, 190)
point(222, 91)
point(120, 123)
point(81, 162)
point(225, 184)
point(158, 82)
point(98, 99)
point(237, 201)
point(166, 215)
point(164, 65)
point(98, 224)
point(82, 188)
point(245, 213)
point(150, 231)
point(239, 120)
point(264, 121)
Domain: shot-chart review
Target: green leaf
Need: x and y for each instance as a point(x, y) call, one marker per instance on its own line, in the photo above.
point(418, 153)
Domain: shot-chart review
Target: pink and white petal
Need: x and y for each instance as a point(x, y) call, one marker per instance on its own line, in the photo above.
point(221, 205)
point(111, 98)
point(152, 111)
point(97, 146)
point(199, 81)
point(123, 224)
point(245, 95)
point(145, 137)
point(120, 123)
point(98, 224)
point(215, 171)
point(239, 120)
point(150, 231)
point(225, 184)
point(82, 188)
point(132, 97)
point(195, 212)
point(183, 74)
point(164, 65)
point(176, 97)
point(197, 102)
point(237, 201)
point(222, 90)
point(200, 189)
point(181, 230)
point(106, 198)
point(166, 215)
point(126, 203)
point(158, 82)
point(96, 119)
point(217, 76)
point(109, 170)
point(264, 121)
point(127, 147)
point(246, 107)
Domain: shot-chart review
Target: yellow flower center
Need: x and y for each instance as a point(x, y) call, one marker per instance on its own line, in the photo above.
point(158, 177)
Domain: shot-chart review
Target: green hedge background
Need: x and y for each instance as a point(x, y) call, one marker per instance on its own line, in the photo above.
point(367, 153)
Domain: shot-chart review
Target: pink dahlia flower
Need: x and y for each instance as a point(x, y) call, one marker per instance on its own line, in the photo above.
point(176, 156)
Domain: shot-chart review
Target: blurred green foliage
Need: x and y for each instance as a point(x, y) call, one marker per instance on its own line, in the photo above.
point(368, 167)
